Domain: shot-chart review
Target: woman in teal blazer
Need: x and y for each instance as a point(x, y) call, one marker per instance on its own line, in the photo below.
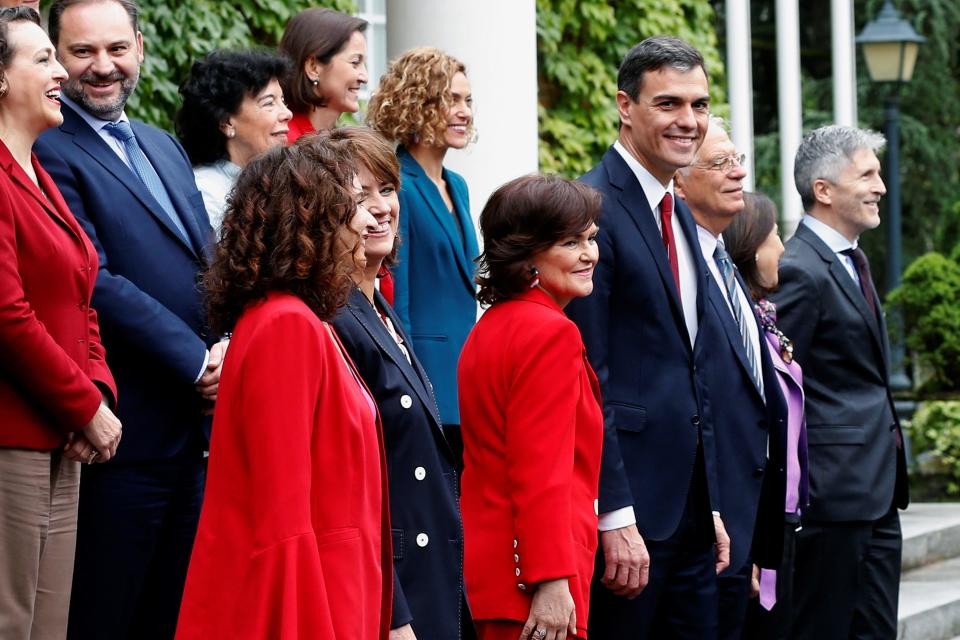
point(424, 103)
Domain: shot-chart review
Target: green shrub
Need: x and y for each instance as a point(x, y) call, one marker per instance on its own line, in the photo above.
point(936, 428)
point(929, 297)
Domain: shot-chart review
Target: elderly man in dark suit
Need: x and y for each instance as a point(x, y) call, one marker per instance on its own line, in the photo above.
point(848, 552)
point(132, 189)
point(747, 409)
point(659, 480)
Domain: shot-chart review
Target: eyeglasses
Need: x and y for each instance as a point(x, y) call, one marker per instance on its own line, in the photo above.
point(725, 164)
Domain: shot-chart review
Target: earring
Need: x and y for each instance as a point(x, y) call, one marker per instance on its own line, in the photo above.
point(315, 82)
point(534, 277)
point(231, 133)
point(756, 257)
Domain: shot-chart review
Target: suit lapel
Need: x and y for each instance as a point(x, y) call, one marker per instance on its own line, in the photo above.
point(367, 316)
point(634, 202)
point(53, 206)
point(685, 217)
point(93, 145)
point(729, 324)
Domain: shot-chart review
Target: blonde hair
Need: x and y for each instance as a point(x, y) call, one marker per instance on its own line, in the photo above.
point(414, 97)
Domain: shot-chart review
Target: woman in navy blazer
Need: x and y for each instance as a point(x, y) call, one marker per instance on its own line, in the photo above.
point(428, 597)
point(424, 103)
point(756, 248)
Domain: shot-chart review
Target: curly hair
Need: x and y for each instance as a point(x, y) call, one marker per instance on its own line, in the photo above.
point(313, 33)
point(282, 231)
point(377, 155)
point(412, 102)
point(214, 91)
point(522, 218)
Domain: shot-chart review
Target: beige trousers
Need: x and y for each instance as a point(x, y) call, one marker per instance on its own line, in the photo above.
point(38, 536)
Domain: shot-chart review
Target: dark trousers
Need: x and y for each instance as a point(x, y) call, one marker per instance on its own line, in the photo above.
point(761, 624)
point(846, 579)
point(734, 593)
point(680, 600)
point(135, 531)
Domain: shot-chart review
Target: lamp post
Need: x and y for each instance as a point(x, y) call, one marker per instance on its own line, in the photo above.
point(890, 47)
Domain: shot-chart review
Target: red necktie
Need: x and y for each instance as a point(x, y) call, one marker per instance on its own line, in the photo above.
point(666, 228)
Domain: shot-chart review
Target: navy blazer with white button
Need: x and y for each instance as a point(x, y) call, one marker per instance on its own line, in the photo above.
point(424, 511)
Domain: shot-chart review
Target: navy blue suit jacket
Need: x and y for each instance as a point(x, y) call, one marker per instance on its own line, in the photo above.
point(651, 379)
point(743, 420)
point(428, 571)
point(147, 293)
point(434, 293)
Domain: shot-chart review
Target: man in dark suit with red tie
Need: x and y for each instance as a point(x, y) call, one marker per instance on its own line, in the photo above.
point(659, 478)
point(848, 552)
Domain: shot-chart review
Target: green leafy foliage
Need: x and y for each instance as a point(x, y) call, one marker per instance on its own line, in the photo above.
point(936, 428)
point(580, 44)
point(177, 33)
point(929, 297)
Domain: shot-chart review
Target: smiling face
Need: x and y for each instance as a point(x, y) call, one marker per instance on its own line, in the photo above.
point(353, 235)
point(259, 124)
point(102, 53)
point(32, 79)
point(381, 201)
point(854, 199)
point(714, 195)
point(460, 114)
point(566, 268)
point(664, 128)
point(340, 79)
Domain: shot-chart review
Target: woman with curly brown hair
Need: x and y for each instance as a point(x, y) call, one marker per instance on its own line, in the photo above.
point(424, 103)
point(294, 537)
point(532, 422)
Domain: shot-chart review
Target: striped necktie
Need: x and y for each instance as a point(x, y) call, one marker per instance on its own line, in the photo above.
point(123, 132)
point(735, 294)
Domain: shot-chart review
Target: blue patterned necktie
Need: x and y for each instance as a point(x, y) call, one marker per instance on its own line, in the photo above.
point(123, 132)
point(734, 294)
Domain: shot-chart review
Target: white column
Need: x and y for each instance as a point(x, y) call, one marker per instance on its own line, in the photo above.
point(844, 63)
point(790, 111)
point(497, 41)
point(740, 82)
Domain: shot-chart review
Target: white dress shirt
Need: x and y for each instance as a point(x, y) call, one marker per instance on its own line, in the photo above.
point(836, 241)
point(214, 182)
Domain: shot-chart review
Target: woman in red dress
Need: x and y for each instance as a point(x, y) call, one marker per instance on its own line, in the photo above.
point(294, 536)
point(532, 422)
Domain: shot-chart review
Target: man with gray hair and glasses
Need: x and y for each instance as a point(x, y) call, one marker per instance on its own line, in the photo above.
point(848, 552)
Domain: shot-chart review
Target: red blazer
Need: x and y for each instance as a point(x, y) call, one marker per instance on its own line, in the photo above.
point(533, 431)
point(50, 351)
point(298, 126)
point(294, 535)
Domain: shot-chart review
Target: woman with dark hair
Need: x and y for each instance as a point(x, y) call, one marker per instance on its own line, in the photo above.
point(755, 248)
point(55, 387)
point(428, 598)
point(328, 53)
point(294, 537)
point(424, 103)
point(532, 422)
point(233, 109)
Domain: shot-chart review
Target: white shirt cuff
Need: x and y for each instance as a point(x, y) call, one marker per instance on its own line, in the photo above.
point(206, 360)
point(617, 519)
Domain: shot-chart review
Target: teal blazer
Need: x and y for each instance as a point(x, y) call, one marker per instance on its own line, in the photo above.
point(434, 294)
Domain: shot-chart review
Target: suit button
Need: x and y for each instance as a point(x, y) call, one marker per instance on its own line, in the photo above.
point(422, 540)
point(406, 401)
point(516, 558)
point(758, 472)
point(515, 543)
point(596, 507)
point(419, 473)
point(521, 586)
point(518, 572)
point(695, 420)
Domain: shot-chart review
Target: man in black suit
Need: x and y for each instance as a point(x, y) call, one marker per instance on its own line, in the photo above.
point(747, 409)
point(848, 552)
point(659, 477)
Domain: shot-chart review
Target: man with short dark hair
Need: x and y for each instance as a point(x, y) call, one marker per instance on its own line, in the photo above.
point(659, 477)
point(132, 189)
point(847, 567)
point(747, 409)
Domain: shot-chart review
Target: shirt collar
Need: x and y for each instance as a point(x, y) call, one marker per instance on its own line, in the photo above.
point(97, 124)
point(708, 242)
point(650, 185)
point(830, 236)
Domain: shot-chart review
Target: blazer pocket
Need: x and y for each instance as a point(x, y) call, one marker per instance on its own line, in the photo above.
point(818, 434)
point(397, 535)
point(428, 336)
point(628, 417)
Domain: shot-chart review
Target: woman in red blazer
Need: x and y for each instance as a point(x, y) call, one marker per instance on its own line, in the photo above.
point(55, 386)
point(532, 422)
point(294, 535)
